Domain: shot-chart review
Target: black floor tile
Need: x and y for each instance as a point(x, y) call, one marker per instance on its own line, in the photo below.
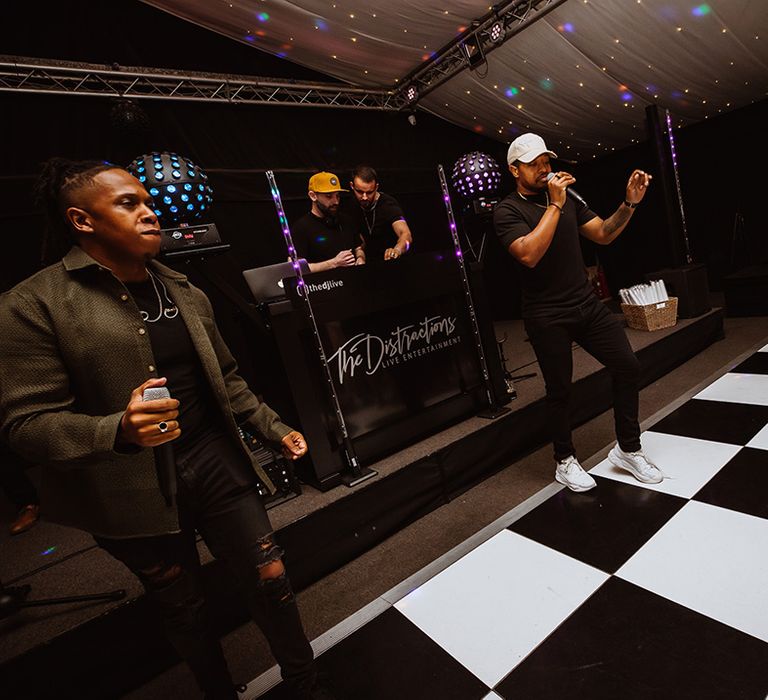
point(757, 364)
point(742, 484)
point(720, 421)
point(625, 642)
point(603, 527)
point(392, 658)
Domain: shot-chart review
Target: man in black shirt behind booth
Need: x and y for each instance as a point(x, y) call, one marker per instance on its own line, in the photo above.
point(319, 235)
point(540, 228)
point(378, 217)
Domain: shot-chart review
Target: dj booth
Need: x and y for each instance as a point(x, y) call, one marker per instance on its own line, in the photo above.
point(402, 353)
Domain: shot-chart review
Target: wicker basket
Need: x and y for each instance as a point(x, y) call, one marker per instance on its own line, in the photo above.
point(651, 317)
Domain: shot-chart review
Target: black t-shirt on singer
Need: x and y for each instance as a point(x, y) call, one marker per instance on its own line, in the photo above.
point(177, 360)
point(559, 280)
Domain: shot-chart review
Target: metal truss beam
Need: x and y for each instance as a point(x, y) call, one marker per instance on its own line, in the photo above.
point(500, 24)
point(61, 77)
point(483, 37)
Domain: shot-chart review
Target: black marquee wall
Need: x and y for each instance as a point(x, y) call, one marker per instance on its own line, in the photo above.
point(236, 143)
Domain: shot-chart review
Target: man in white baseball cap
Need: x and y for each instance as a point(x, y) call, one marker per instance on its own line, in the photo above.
point(540, 227)
point(527, 148)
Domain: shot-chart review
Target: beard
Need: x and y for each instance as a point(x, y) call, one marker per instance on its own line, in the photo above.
point(366, 204)
point(328, 212)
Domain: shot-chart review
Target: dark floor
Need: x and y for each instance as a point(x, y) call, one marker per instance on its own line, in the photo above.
point(628, 590)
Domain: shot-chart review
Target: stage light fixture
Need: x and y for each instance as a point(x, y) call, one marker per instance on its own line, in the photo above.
point(472, 49)
point(476, 176)
point(182, 200)
point(166, 179)
point(412, 94)
point(497, 32)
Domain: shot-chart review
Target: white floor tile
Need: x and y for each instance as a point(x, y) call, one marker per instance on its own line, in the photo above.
point(491, 608)
point(711, 560)
point(738, 388)
point(688, 463)
point(760, 441)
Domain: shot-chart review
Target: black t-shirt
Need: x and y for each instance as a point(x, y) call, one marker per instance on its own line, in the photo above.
point(176, 359)
point(319, 239)
point(375, 224)
point(559, 280)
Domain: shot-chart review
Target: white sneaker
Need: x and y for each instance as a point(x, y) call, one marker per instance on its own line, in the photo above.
point(637, 464)
point(569, 473)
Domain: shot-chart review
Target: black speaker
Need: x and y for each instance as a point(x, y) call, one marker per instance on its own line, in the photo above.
point(689, 284)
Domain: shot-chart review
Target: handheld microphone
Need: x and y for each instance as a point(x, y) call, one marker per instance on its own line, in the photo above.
point(573, 194)
point(164, 460)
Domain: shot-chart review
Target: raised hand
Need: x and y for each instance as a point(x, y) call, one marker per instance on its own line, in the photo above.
point(637, 186)
point(557, 186)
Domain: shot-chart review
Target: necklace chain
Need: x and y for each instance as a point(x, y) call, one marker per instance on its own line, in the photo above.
point(541, 206)
point(372, 222)
point(171, 311)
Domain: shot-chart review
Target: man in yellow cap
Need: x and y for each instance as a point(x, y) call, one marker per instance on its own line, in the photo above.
point(319, 236)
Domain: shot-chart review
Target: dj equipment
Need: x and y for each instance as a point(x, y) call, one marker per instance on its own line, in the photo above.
point(278, 469)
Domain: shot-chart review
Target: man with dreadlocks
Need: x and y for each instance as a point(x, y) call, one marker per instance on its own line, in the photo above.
point(81, 342)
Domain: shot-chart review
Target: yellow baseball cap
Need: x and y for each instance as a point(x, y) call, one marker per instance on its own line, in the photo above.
point(325, 182)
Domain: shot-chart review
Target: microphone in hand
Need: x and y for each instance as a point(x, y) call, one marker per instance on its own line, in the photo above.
point(164, 460)
point(154, 393)
point(573, 194)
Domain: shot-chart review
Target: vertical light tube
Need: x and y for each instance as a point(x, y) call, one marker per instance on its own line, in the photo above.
point(303, 291)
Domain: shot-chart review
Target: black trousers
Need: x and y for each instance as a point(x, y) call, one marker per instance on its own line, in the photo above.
point(602, 335)
point(234, 525)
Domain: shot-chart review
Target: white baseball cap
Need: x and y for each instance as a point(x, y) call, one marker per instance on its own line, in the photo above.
point(526, 148)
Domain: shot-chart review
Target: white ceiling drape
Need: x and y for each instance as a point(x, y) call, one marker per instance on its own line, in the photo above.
point(581, 76)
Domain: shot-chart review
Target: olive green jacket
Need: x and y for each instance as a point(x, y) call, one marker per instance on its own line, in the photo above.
point(72, 348)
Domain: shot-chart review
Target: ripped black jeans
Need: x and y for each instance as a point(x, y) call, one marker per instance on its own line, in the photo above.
point(216, 497)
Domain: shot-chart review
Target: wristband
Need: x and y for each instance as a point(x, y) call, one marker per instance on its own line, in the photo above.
point(631, 205)
point(559, 208)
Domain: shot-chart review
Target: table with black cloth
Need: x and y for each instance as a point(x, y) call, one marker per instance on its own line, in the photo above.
point(402, 355)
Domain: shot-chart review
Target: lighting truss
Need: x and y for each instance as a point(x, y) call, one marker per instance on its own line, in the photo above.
point(61, 77)
point(500, 24)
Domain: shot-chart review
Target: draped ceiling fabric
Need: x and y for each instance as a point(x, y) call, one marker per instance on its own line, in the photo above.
point(581, 76)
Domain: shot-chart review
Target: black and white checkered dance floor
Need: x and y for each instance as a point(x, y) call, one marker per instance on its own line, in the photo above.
point(626, 591)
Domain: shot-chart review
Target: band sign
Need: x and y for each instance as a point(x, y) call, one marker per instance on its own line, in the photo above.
point(368, 352)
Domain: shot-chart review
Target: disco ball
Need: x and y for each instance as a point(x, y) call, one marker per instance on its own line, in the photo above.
point(178, 187)
point(476, 175)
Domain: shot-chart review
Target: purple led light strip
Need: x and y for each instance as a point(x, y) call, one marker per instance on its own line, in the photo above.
point(303, 291)
point(465, 282)
point(688, 257)
point(285, 229)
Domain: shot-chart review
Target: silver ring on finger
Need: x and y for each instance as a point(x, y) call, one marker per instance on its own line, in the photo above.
point(162, 426)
